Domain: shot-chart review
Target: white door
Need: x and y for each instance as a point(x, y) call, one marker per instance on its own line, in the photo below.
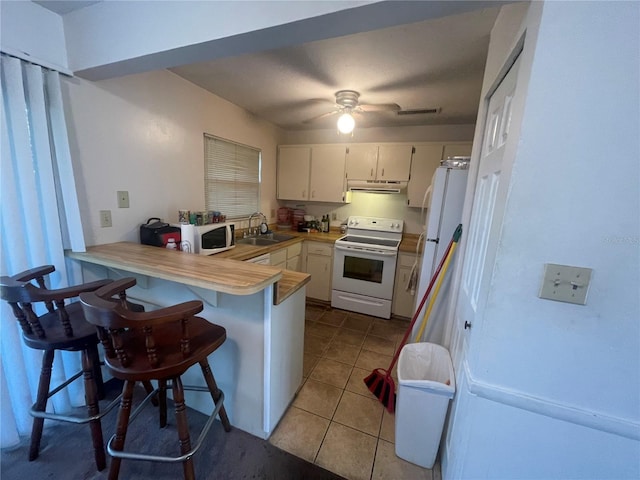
point(490, 195)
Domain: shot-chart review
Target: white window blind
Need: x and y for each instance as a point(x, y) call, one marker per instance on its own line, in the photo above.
point(231, 177)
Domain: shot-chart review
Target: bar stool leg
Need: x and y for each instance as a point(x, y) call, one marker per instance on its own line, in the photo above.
point(183, 426)
point(215, 393)
point(121, 427)
point(92, 350)
point(162, 402)
point(41, 403)
point(148, 387)
point(91, 397)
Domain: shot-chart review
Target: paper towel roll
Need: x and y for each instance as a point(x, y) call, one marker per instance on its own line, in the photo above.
point(187, 235)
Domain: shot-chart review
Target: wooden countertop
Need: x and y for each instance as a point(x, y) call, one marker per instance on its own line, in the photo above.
point(409, 243)
point(245, 252)
point(209, 272)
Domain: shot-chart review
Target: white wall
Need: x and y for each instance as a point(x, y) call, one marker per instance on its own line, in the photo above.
point(144, 134)
point(367, 204)
point(33, 33)
point(554, 388)
point(424, 133)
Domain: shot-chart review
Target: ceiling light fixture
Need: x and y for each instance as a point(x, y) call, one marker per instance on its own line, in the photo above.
point(346, 123)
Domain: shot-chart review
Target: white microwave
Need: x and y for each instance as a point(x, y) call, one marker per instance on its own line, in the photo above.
point(208, 239)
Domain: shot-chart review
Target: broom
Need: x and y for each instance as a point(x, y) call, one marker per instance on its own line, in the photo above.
point(379, 382)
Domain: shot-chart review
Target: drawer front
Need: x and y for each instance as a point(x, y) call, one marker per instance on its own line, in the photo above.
point(294, 250)
point(279, 257)
point(317, 248)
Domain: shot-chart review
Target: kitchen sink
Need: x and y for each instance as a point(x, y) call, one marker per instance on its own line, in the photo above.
point(265, 240)
point(279, 237)
point(258, 241)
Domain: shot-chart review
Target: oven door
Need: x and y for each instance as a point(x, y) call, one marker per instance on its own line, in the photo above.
point(364, 271)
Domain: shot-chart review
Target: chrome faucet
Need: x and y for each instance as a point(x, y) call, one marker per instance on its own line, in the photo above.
point(255, 214)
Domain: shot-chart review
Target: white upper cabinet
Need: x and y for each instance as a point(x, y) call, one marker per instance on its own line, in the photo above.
point(394, 162)
point(294, 166)
point(362, 162)
point(311, 172)
point(327, 182)
point(379, 162)
point(457, 150)
point(426, 158)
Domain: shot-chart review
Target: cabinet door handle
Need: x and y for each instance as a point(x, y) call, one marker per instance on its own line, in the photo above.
point(313, 194)
point(304, 193)
point(383, 172)
point(371, 175)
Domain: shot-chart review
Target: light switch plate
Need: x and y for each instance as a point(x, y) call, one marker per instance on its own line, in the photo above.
point(105, 218)
point(564, 283)
point(123, 199)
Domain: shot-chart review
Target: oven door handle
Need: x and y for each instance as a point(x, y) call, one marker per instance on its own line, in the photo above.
point(382, 253)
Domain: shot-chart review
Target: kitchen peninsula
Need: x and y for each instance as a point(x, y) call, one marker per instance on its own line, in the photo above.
point(259, 367)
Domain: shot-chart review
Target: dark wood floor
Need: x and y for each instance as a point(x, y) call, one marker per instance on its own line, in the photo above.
point(66, 453)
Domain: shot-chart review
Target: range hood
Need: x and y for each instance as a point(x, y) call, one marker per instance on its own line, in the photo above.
point(375, 186)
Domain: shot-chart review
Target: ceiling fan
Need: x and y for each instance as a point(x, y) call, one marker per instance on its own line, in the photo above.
point(347, 104)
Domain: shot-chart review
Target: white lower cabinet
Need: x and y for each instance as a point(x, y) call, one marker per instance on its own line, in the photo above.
point(403, 301)
point(319, 263)
point(287, 258)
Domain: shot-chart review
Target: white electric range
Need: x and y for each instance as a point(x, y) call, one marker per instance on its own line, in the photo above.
point(364, 265)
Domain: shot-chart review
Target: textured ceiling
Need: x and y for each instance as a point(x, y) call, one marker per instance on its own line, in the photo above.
point(431, 64)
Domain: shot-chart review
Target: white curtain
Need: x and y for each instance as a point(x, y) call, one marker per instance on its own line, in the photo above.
point(39, 219)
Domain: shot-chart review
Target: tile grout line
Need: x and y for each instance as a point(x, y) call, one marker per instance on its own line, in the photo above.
point(361, 348)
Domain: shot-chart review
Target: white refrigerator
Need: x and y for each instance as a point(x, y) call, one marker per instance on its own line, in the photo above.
point(443, 201)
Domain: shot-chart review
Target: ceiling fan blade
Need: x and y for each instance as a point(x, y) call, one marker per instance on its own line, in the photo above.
point(379, 107)
point(324, 115)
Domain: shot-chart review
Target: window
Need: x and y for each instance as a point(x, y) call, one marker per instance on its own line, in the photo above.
point(231, 177)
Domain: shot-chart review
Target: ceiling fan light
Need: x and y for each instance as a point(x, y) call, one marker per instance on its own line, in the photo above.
point(346, 123)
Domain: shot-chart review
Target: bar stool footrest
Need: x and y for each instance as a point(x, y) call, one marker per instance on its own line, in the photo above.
point(167, 459)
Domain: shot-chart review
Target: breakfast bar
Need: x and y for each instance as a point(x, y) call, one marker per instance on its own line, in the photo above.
point(259, 367)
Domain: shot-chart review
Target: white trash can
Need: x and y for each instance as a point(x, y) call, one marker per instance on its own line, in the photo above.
point(426, 384)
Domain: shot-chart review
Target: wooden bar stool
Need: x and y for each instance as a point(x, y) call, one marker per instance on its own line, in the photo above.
point(62, 327)
point(158, 345)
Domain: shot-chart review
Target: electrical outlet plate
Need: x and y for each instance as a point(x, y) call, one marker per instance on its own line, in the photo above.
point(123, 199)
point(564, 283)
point(105, 218)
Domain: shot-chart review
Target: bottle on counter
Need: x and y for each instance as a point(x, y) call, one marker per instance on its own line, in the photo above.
point(325, 223)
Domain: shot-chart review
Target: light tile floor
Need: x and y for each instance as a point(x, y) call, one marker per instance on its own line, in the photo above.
point(335, 421)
